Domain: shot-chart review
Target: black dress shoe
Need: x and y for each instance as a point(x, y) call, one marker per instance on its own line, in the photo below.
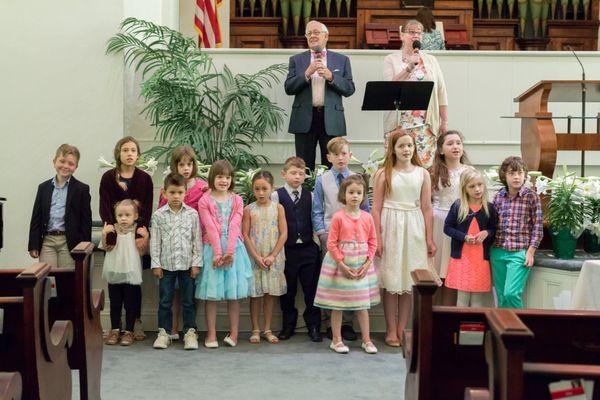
point(285, 334)
point(314, 334)
point(348, 333)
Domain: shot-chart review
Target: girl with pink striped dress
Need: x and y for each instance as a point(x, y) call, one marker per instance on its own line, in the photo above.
point(348, 280)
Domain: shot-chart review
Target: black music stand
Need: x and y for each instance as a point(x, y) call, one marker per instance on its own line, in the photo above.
point(397, 95)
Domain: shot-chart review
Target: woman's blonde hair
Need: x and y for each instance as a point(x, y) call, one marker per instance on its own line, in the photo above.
point(468, 175)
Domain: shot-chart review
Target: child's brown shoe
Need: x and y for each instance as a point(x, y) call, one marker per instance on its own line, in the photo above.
point(127, 339)
point(112, 338)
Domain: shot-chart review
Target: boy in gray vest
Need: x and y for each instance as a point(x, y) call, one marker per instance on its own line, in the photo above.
point(325, 204)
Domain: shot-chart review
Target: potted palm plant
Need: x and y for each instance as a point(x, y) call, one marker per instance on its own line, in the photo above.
point(221, 115)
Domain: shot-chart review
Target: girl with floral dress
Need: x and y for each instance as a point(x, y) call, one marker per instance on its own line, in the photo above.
point(265, 231)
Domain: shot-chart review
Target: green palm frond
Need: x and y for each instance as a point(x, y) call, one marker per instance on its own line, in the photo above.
point(218, 113)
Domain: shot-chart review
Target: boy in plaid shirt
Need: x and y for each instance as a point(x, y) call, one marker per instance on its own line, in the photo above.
point(518, 236)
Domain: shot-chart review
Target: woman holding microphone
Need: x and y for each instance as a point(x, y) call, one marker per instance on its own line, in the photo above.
point(409, 64)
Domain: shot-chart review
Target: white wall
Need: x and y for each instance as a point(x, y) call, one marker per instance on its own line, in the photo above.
point(481, 87)
point(57, 86)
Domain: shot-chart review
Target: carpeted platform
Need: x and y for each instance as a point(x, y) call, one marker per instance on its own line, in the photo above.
point(295, 369)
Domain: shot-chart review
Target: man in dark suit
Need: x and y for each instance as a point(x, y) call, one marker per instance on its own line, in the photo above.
point(318, 78)
point(62, 215)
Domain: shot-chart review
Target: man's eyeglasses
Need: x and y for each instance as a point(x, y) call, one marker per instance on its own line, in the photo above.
point(313, 33)
point(414, 33)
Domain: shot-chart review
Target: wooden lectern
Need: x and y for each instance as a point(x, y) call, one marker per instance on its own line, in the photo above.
point(539, 140)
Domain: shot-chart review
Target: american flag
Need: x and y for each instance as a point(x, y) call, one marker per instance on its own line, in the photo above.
point(206, 22)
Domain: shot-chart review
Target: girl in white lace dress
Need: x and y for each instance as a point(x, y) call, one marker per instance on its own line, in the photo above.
point(403, 220)
point(449, 162)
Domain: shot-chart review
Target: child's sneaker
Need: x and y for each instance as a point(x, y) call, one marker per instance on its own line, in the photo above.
point(126, 339)
point(138, 331)
point(113, 337)
point(190, 340)
point(162, 339)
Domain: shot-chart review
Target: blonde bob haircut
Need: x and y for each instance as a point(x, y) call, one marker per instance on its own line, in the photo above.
point(467, 176)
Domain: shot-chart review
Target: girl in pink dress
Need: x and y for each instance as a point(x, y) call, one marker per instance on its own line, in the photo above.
point(348, 280)
point(471, 223)
point(184, 162)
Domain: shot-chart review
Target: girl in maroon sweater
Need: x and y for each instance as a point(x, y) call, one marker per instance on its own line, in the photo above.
point(128, 182)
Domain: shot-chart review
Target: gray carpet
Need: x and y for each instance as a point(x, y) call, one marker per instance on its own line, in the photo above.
point(295, 369)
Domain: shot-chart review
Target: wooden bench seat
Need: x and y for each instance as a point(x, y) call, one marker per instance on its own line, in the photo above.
point(77, 302)
point(27, 343)
point(529, 349)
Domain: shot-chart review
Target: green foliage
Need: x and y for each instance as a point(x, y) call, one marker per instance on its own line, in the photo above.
point(566, 208)
point(219, 114)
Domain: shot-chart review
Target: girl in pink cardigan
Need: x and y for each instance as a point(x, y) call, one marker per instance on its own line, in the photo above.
point(348, 280)
point(227, 272)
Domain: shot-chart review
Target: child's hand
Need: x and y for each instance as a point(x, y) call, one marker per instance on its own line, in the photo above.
point(194, 272)
point(323, 240)
point(143, 232)
point(481, 236)
point(34, 253)
point(347, 271)
point(217, 262)
point(469, 239)
point(108, 228)
point(431, 249)
point(269, 260)
point(261, 263)
point(529, 257)
point(379, 251)
point(227, 260)
point(158, 272)
point(363, 270)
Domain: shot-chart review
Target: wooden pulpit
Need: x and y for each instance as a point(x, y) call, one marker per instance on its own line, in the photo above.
point(539, 140)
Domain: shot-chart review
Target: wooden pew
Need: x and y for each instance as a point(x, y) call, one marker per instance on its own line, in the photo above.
point(78, 303)
point(437, 366)
point(528, 349)
point(27, 344)
point(10, 386)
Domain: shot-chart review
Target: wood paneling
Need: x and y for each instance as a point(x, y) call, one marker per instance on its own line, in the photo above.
point(494, 34)
point(349, 32)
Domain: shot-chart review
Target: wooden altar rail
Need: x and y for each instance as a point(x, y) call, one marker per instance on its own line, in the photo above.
point(348, 30)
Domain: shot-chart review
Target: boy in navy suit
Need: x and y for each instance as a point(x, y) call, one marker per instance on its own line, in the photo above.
point(62, 215)
point(301, 252)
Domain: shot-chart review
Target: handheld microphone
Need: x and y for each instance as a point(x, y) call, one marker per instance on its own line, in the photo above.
point(416, 45)
point(318, 52)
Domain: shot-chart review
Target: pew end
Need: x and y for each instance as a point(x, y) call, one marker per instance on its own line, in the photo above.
point(11, 386)
point(28, 344)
